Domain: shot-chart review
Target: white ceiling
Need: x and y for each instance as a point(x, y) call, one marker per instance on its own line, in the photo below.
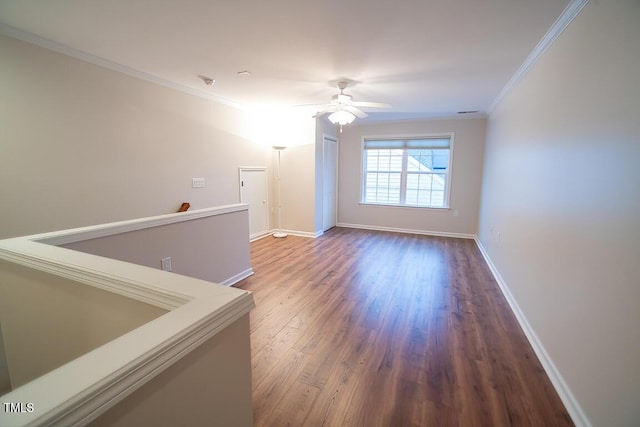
point(425, 57)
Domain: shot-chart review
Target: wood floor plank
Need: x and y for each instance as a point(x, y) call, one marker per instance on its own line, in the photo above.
point(364, 328)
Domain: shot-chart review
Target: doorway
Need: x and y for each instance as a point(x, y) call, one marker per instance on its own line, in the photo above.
point(254, 191)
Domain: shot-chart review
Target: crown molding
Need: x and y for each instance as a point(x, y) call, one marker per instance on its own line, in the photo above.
point(570, 12)
point(34, 39)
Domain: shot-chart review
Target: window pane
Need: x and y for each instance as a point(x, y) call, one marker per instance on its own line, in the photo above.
point(425, 189)
point(428, 160)
point(384, 160)
point(440, 160)
point(412, 197)
point(437, 199)
point(382, 187)
point(424, 198)
point(419, 160)
point(421, 183)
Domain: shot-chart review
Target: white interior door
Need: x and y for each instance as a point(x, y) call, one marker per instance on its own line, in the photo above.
point(253, 191)
point(330, 181)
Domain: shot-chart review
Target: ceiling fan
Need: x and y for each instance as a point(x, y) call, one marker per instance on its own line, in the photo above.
point(343, 109)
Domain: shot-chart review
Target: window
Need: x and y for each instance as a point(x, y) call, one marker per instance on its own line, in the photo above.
point(407, 172)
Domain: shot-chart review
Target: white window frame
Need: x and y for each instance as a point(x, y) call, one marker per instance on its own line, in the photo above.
point(449, 172)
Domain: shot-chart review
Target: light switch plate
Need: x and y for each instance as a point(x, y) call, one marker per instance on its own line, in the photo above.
point(197, 182)
point(166, 263)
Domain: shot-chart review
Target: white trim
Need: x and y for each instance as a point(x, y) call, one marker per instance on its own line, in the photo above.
point(418, 135)
point(91, 403)
point(449, 173)
point(330, 138)
point(570, 402)
point(105, 63)
point(304, 233)
point(267, 201)
point(570, 12)
point(313, 235)
point(411, 207)
point(260, 236)
point(408, 231)
point(238, 277)
point(54, 260)
point(64, 237)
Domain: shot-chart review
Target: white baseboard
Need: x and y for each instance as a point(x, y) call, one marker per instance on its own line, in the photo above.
point(297, 233)
point(259, 236)
point(238, 277)
point(304, 233)
point(571, 404)
point(408, 231)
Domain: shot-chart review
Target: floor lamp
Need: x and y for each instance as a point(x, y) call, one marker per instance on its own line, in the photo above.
point(279, 234)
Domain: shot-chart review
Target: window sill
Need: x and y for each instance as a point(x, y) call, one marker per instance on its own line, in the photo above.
point(430, 208)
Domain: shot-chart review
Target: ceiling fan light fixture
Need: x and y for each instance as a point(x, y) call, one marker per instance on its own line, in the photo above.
point(341, 98)
point(341, 117)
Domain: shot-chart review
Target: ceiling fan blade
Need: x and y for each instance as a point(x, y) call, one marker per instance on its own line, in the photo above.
point(324, 111)
point(371, 104)
point(359, 114)
point(317, 105)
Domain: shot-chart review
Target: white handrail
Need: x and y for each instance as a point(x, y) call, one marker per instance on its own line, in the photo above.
point(81, 390)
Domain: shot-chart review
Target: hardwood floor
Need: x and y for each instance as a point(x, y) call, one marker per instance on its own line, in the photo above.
point(363, 328)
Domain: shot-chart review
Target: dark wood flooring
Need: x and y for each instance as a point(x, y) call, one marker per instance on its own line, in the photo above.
point(364, 328)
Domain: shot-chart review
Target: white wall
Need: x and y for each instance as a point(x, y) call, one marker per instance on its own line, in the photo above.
point(5, 382)
point(209, 386)
point(560, 214)
point(294, 129)
point(83, 145)
point(48, 320)
point(465, 179)
point(298, 188)
point(213, 248)
point(302, 174)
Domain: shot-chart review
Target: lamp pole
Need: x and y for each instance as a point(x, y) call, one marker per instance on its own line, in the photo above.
point(279, 234)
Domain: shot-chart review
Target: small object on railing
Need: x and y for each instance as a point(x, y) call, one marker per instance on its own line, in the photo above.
point(184, 207)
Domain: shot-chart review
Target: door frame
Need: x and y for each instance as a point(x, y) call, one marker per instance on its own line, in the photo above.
point(335, 140)
point(264, 169)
